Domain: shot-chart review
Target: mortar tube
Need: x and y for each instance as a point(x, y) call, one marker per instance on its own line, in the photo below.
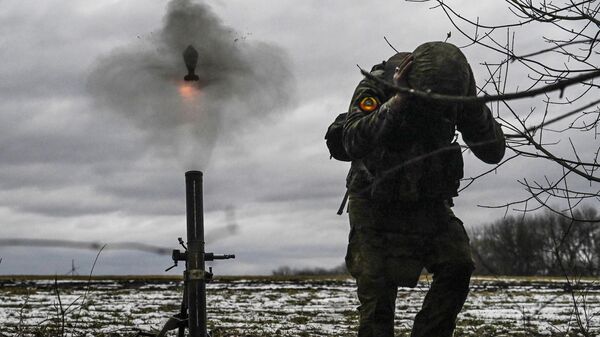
point(195, 275)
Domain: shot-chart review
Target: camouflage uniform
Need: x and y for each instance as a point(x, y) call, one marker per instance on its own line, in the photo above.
point(400, 221)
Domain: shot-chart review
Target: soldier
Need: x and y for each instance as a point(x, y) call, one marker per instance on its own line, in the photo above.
point(405, 171)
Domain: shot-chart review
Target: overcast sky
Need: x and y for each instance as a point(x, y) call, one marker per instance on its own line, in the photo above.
point(96, 135)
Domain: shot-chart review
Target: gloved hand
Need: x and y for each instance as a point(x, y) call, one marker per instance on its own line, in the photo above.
point(400, 79)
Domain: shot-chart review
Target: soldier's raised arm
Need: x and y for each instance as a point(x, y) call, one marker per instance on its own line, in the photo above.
point(366, 119)
point(480, 131)
point(371, 115)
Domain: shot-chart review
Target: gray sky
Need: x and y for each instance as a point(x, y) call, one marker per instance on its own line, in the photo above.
point(95, 137)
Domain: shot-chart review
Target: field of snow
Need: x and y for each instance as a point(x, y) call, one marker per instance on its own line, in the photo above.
point(277, 307)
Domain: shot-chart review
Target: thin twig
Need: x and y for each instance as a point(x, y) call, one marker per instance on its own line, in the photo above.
point(559, 85)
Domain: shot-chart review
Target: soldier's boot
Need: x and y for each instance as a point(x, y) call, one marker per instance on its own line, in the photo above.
point(378, 301)
point(443, 301)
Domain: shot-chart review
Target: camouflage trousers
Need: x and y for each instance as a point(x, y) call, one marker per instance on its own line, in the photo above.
point(388, 247)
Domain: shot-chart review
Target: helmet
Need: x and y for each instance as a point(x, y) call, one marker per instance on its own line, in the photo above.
point(441, 68)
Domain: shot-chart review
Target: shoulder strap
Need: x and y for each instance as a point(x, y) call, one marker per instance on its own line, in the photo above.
point(343, 204)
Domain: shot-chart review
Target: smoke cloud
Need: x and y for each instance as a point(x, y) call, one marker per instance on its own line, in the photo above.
point(242, 83)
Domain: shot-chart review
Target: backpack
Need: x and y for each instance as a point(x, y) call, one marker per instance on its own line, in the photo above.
point(335, 144)
point(334, 139)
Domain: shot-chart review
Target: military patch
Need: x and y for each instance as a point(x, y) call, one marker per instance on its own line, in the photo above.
point(368, 104)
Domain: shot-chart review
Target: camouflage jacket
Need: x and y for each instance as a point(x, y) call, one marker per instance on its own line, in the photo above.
point(383, 142)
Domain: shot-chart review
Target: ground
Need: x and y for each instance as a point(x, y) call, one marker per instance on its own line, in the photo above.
point(269, 306)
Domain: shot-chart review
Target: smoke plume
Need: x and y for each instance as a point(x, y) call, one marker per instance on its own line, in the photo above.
point(242, 82)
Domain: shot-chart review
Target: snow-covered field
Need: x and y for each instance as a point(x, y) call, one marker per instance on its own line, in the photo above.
point(271, 307)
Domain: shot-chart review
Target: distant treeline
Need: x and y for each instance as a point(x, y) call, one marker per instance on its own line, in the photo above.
point(542, 244)
point(287, 271)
